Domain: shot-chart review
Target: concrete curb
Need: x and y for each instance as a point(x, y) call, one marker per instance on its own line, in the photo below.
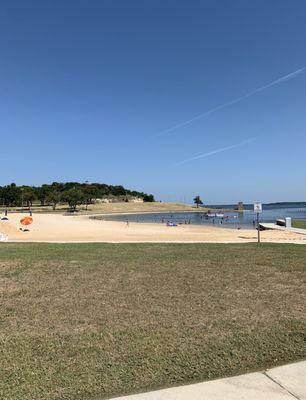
point(282, 383)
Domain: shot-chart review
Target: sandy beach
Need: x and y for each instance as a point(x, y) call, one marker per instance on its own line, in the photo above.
point(62, 228)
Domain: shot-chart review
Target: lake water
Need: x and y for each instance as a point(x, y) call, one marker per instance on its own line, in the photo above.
point(270, 213)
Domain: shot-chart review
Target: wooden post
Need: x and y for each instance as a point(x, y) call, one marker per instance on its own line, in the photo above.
point(258, 229)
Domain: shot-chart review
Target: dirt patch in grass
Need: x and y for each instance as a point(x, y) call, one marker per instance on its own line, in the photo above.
point(96, 320)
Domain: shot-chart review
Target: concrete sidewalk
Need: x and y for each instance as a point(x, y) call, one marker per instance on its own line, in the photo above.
point(283, 383)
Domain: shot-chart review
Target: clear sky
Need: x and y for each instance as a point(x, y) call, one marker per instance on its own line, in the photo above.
point(97, 90)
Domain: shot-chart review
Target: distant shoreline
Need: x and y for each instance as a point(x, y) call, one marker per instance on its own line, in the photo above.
point(281, 203)
point(250, 205)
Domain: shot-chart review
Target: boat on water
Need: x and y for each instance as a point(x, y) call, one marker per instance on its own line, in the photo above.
point(215, 215)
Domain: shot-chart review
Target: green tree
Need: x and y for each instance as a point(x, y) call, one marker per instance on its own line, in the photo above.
point(197, 200)
point(90, 192)
point(118, 190)
point(58, 186)
point(148, 198)
point(73, 197)
point(29, 195)
point(42, 193)
point(53, 198)
point(11, 195)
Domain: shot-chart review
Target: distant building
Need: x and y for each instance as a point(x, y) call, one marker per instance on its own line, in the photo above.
point(240, 206)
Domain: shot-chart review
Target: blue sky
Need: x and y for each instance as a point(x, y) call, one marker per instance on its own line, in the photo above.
point(90, 88)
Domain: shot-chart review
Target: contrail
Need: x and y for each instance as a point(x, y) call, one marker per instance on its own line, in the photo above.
point(204, 155)
point(237, 100)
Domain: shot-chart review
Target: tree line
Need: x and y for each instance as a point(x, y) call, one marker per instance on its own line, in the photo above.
point(71, 193)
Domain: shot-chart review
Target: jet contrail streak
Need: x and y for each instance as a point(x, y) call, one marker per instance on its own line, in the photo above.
point(237, 100)
point(204, 155)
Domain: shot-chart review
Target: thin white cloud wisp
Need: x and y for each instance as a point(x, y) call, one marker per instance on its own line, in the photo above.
point(211, 153)
point(282, 79)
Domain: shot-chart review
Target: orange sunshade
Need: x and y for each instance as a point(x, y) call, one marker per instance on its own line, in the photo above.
point(26, 220)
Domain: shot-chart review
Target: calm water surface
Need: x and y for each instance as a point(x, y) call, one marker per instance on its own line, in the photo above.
point(231, 219)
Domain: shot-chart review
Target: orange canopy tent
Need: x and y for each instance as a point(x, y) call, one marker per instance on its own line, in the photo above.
point(26, 221)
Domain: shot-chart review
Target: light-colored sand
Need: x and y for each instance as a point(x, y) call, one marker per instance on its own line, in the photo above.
point(60, 228)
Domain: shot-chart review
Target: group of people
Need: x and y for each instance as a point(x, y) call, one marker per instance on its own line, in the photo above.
point(214, 218)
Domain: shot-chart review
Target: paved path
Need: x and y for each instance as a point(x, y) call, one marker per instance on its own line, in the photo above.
point(282, 383)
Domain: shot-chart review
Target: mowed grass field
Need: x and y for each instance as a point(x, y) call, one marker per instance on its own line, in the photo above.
point(299, 223)
point(91, 321)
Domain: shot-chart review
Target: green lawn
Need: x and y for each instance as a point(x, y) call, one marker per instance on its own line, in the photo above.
point(90, 321)
point(299, 223)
